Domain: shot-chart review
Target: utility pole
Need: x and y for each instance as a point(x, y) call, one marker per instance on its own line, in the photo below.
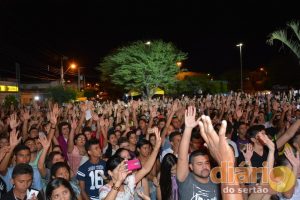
point(18, 80)
point(62, 70)
point(78, 78)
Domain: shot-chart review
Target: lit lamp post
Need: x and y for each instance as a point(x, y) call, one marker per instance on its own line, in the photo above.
point(72, 66)
point(179, 64)
point(241, 62)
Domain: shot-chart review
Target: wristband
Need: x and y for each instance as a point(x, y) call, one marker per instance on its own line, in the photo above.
point(53, 128)
point(115, 188)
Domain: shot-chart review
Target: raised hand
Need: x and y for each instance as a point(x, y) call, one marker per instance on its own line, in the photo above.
point(26, 114)
point(13, 139)
point(264, 139)
point(216, 143)
point(106, 123)
point(121, 172)
point(53, 118)
point(158, 138)
point(13, 121)
point(83, 108)
point(102, 123)
point(189, 119)
point(294, 160)
point(74, 124)
point(69, 106)
point(153, 112)
point(239, 112)
point(135, 105)
point(175, 106)
point(95, 117)
point(248, 153)
point(55, 110)
point(3, 151)
point(126, 113)
point(44, 141)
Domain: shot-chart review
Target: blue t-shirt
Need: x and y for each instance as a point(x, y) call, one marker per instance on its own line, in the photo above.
point(92, 175)
point(36, 183)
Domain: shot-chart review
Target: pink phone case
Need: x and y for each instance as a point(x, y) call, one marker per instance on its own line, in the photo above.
point(133, 164)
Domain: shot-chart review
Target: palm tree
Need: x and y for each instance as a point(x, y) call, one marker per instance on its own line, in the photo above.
point(292, 42)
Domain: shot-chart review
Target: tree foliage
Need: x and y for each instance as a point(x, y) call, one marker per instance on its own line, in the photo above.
point(197, 85)
point(289, 37)
point(142, 67)
point(10, 100)
point(61, 95)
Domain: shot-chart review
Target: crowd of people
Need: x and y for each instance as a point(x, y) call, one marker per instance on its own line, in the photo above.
point(162, 148)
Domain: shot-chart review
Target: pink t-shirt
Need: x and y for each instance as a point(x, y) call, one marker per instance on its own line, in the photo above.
point(74, 159)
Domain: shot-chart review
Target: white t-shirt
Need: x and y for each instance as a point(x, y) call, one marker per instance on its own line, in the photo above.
point(165, 152)
point(296, 195)
point(128, 194)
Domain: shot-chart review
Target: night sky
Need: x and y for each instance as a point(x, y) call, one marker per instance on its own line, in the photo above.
point(37, 33)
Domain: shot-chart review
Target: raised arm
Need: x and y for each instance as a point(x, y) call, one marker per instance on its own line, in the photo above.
point(134, 109)
point(120, 177)
point(183, 163)
point(13, 142)
point(41, 163)
point(151, 160)
point(71, 136)
point(169, 120)
point(220, 151)
point(26, 117)
point(295, 162)
point(288, 134)
point(82, 116)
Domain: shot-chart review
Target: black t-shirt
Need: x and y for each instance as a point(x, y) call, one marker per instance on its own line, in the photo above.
point(256, 159)
point(10, 196)
point(2, 188)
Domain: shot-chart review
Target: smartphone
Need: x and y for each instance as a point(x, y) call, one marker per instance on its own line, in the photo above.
point(31, 193)
point(134, 164)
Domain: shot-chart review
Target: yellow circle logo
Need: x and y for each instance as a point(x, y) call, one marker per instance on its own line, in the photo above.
point(282, 179)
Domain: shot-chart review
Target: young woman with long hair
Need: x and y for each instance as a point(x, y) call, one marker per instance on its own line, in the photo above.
point(167, 181)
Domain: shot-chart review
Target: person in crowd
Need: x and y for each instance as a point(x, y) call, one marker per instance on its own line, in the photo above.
point(22, 177)
point(168, 188)
point(60, 188)
point(196, 142)
point(111, 145)
point(174, 138)
point(119, 174)
point(144, 150)
point(62, 170)
point(123, 143)
point(91, 174)
point(132, 139)
point(76, 147)
point(196, 183)
point(34, 153)
point(22, 155)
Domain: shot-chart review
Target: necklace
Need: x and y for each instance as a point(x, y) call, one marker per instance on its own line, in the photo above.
point(16, 198)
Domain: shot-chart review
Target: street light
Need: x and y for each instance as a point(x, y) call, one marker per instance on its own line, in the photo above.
point(148, 43)
point(179, 64)
point(71, 66)
point(241, 61)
